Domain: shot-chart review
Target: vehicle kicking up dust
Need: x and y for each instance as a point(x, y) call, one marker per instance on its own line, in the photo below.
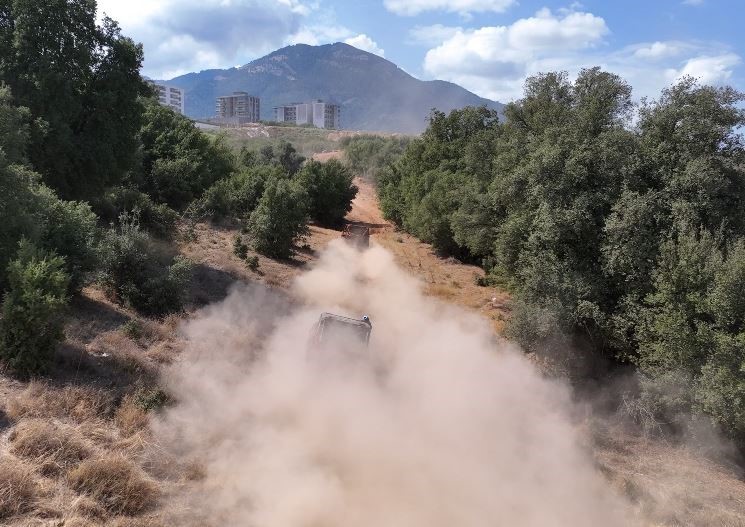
point(460, 431)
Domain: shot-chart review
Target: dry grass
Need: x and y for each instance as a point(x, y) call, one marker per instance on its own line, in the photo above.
point(136, 522)
point(54, 448)
point(77, 521)
point(18, 488)
point(87, 507)
point(79, 403)
point(130, 417)
point(128, 357)
point(115, 483)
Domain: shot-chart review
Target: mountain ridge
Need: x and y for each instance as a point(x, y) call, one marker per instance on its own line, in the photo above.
point(374, 93)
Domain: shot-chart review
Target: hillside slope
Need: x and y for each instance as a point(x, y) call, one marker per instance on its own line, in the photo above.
point(374, 93)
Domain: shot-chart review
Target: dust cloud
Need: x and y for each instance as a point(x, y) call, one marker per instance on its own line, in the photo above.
point(448, 427)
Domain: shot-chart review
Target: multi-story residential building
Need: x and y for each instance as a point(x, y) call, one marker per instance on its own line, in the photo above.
point(326, 115)
point(238, 108)
point(170, 96)
point(320, 114)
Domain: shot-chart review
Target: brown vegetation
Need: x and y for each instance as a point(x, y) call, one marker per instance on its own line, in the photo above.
point(18, 489)
point(116, 483)
point(54, 448)
point(79, 403)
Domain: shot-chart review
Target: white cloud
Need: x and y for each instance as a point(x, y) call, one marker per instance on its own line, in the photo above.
point(495, 61)
point(319, 34)
point(693, 2)
point(464, 7)
point(432, 35)
point(659, 50)
point(189, 35)
point(365, 43)
point(713, 70)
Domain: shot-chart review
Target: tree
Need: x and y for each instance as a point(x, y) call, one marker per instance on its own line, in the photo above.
point(81, 83)
point(330, 190)
point(179, 162)
point(14, 128)
point(279, 220)
point(31, 325)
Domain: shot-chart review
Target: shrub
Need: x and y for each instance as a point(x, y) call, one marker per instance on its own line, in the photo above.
point(238, 195)
point(252, 262)
point(31, 324)
point(330, 190)
point(240, 249)
point(116, 483)
point(157, 218)
point(279, 220)
point(133, 273)
point(70, 230)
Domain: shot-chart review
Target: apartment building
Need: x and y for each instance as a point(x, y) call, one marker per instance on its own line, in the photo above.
point(238, 108)
point(318, 113)
point(170, 96)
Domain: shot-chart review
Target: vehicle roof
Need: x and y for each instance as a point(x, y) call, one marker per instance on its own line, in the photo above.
point(345, 320)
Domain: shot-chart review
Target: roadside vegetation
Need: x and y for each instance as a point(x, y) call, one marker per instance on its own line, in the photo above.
point(367, 155)
point(94, 176)
point(621, 238)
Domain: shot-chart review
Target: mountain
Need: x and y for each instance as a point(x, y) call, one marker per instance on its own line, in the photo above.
point(374, 93)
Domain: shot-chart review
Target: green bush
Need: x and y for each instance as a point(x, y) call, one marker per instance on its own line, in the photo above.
point(238, 195)
point(32, 211)
point(252, 262)
point(330, 190)
point(132, 272)
point(71, 231)
point(31, 324)
point(279, 220)
point(156, 218)
point(240, 249)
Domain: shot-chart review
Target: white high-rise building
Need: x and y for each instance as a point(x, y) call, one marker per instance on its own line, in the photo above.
point(318, 113)
point(170, 96)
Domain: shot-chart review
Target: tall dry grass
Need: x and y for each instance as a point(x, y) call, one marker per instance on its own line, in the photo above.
point(19, 490)
point(116, 483)
point(52, 447)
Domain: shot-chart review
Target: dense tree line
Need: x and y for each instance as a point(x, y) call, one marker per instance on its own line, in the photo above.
point(621, 233)
point(368, 154)
point(92, 169)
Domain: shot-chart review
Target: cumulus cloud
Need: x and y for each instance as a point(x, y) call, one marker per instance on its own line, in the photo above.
point(464, 7)
point(187, 35)
point(494, 61)
point(365, 43)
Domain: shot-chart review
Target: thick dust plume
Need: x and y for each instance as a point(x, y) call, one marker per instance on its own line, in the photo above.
point(444, 427)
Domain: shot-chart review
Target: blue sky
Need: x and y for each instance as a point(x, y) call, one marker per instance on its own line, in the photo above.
point(487, 46)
